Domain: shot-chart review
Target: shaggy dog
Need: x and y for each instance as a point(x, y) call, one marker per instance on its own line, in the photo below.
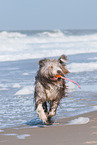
point(49, 88)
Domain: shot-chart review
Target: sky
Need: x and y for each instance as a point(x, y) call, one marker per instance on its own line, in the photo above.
point(48, 14)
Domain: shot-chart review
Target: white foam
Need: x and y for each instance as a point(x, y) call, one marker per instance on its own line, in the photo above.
point(17, 46)
point(25, 91)
point(3, 86)
point(10, 134)
point(23, 136)
point(82, 67)
point(55, 34)
point(6, 34)
point(80, 120)
point(16, 85)
point(25, 74)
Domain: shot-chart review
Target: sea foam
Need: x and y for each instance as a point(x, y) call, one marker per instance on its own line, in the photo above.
point(25, 91)
point(16, 85)
point(17, 46)
point(23, 136)
point(82, 67)
point(80, 120)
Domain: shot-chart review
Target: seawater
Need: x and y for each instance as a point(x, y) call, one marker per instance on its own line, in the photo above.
point(20, 52)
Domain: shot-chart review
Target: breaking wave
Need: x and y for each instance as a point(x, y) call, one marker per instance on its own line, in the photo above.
point(38, 44)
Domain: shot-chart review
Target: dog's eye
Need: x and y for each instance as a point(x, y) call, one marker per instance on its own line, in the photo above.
point(51, 66)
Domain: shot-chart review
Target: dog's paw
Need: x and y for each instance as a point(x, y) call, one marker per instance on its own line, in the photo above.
point(52, 113)
point(48, 120)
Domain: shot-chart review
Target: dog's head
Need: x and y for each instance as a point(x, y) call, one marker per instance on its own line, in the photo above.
point(51, 68)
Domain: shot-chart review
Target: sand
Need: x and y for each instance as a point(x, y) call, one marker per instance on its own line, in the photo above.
point(58, 134)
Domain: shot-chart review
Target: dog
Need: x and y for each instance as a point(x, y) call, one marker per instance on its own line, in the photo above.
point(49, 89)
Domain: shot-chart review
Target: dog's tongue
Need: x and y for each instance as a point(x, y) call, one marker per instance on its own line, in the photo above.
point(55, 78)
point(59, 76)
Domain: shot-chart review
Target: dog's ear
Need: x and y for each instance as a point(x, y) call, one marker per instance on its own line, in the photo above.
point(63, 59)
point(65, 70)
point(42, 62)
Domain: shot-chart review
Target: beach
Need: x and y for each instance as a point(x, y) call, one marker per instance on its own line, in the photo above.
point(60, 134)
point(75, 121)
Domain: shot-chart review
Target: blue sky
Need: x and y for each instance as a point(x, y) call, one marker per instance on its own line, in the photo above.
point(48, 14)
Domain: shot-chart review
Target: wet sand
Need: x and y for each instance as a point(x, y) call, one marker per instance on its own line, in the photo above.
point(58, 134)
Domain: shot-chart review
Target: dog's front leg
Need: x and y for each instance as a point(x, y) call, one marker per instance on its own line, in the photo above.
point(41, 113)
point(53, 108)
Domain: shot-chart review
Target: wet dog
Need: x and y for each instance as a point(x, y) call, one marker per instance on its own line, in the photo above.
point(49, 88)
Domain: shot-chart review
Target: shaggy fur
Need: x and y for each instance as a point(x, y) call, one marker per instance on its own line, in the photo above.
point(49, 88)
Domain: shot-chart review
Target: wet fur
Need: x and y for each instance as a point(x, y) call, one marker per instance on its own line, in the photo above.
point(48, 89)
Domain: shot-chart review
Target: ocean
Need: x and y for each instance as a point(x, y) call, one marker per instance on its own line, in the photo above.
point(20, 52)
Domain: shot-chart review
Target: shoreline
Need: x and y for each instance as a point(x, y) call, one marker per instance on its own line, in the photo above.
point(59, 134)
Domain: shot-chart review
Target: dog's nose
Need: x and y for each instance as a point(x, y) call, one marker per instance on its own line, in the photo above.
point(58, 71)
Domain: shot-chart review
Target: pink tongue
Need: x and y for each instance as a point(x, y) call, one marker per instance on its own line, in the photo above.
point(71, 81)
point(54, 78)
